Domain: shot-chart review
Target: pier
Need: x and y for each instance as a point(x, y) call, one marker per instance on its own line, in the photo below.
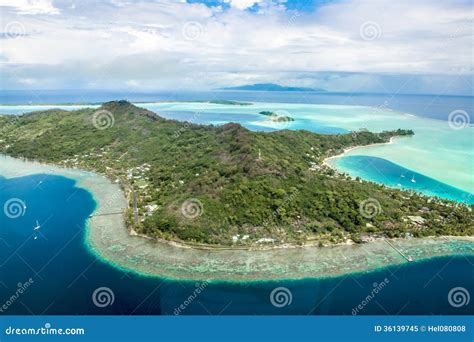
point(407, 257)
point(107, 214)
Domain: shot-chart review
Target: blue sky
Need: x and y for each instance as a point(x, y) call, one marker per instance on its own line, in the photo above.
point(299, 5)
point(407, 46)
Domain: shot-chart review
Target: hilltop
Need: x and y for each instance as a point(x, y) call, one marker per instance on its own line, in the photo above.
point(225, 185)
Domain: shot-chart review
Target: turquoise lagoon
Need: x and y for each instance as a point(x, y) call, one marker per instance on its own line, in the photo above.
point(383, 171)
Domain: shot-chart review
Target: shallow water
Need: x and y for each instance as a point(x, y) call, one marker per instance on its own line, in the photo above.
point(382, 171)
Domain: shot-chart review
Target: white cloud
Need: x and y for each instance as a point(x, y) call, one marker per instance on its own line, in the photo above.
point(108, 44)
point(31, 6)
point(243, 4)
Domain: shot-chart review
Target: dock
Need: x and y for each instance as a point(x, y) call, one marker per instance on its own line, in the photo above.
point(107, 214)
point(407, 257)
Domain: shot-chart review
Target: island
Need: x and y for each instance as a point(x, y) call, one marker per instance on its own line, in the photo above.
point(273, 87)
point(226, 186)
point(277, 117)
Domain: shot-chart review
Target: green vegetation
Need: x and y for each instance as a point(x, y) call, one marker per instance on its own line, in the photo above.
point(238, 187)
point(274, 116)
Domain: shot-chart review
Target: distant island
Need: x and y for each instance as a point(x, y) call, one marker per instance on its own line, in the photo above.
point(226, 186)
point(272, 87)
point(274, 116)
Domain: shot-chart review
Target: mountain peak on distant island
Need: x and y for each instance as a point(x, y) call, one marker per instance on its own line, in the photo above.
point(272, 87)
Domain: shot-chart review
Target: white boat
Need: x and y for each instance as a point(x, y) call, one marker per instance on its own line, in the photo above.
point(413, 179)
point(37, 226)
point(402, 175)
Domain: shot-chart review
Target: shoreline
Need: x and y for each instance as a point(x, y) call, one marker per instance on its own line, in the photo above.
point(349, 149)
point(347, 152)
point(108, 239)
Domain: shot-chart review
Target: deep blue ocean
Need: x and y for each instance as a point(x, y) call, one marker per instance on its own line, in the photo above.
point(65, 274)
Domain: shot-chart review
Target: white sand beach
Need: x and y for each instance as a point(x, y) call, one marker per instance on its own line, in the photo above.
point(346, 151)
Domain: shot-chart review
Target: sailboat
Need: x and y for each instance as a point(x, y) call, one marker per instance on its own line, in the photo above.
point(413, 179)
point(37, 226)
